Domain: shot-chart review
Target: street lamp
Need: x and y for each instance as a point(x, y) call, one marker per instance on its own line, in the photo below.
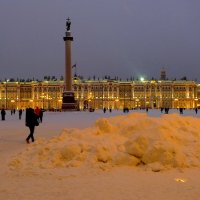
point(12, 102)
point(116, 103)
point(49, 102)
point(102, 97)
point(124, 96)
point(90, 100)
point(31, 103)
point(6, 93)
point(43, 96)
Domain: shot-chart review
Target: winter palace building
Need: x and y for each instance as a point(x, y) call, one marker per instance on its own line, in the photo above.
point(99, 94)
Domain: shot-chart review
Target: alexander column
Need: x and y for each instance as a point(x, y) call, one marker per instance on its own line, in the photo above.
point(69, 102)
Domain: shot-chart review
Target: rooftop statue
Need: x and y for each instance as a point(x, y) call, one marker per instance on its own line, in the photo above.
point(68, 24)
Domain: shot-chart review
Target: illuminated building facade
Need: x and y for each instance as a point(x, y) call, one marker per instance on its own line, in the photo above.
point(100, 94)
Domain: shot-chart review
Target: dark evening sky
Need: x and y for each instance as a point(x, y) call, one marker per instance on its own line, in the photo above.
point(121, 38)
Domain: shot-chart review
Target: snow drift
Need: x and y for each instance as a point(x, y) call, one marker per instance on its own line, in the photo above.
point(136, 140)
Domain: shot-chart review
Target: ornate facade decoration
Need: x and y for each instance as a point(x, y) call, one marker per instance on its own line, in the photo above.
point(99, 94)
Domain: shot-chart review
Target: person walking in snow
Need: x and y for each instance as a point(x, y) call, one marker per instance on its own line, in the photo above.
point(20, 113)
point(3, 114)
point(41, 115)
point(31, 121)
point(166, 110)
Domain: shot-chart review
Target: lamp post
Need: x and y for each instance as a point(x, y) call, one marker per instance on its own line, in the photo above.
point(43, 96)
point(31, 103)
point(124, 97)
point(49, 102)
point(94, 99)
point(90, 100)
point(6, 96)
point(102, 97)
point(6, 93)
point(196, 102)
point(12, 102)
point(116, 103)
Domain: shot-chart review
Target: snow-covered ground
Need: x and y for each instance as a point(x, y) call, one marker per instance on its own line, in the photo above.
point(97, 156)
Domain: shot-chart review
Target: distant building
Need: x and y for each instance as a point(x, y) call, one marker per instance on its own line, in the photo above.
point(99, 94)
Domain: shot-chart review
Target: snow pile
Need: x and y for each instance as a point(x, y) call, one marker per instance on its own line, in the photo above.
point(172, 141)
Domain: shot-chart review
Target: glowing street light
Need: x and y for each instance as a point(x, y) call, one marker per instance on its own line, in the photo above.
point(141, 78)
point(43, 97)
point(7, 92)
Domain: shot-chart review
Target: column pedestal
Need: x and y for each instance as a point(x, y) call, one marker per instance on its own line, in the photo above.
point(69, 103)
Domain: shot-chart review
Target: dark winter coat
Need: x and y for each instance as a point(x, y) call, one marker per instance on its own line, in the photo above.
point(3, 113)
point(31, 118)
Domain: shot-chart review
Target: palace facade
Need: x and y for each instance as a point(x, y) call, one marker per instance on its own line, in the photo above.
point(99, 94)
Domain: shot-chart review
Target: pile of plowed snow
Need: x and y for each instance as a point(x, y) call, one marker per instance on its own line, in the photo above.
point(171, 141)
